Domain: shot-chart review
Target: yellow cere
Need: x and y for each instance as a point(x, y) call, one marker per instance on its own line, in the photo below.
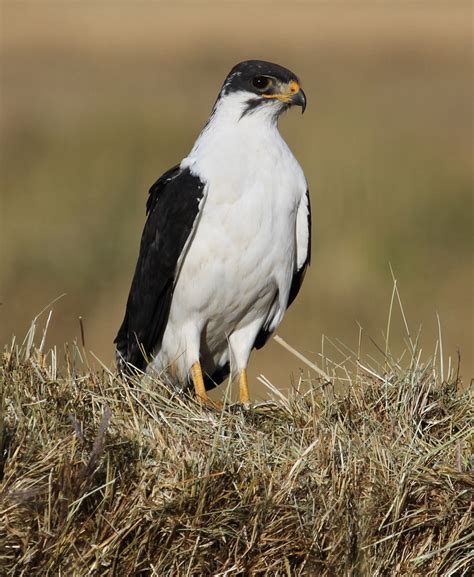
point(294, 87)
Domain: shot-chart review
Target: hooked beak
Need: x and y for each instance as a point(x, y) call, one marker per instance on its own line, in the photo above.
point(299, 99)
point(290, 93)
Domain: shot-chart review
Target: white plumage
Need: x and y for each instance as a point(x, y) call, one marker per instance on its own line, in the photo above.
point(226, 243)
point(238, 268)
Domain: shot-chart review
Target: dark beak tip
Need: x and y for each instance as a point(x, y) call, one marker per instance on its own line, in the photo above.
point(301, 100)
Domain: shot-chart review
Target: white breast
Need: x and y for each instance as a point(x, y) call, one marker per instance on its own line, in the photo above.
point(239, 264)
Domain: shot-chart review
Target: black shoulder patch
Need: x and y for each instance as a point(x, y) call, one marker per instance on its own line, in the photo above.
point(158, 186)
point(172, 208)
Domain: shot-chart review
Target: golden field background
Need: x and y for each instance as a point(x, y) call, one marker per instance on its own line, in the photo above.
point(100, 98)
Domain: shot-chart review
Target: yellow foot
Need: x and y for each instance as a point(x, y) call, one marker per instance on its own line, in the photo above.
point(244, 389)
point(200, 389)
point(211, 404)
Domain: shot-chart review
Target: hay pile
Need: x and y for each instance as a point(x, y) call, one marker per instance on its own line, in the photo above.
point(368, 476)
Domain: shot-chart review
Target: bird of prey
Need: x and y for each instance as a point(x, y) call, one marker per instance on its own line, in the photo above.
point(226, 243)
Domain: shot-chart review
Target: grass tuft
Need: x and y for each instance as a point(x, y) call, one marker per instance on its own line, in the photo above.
point(368, 473)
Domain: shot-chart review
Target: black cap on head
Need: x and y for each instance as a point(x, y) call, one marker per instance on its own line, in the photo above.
point(268, 82)
point(242, 76)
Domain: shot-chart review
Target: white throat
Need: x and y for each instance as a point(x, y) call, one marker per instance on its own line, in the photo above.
point(234, 136)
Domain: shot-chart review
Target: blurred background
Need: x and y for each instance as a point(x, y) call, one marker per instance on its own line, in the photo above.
point(100, 98)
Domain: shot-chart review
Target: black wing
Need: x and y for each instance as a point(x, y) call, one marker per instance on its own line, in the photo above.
point(304, 248)
point(172, 208)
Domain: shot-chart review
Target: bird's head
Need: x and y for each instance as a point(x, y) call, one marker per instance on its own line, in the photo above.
point(258, 86)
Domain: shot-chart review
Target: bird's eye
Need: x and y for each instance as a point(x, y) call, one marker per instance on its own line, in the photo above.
point(261, 82)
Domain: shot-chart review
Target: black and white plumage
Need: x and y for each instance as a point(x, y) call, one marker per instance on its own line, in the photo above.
point(226, 242)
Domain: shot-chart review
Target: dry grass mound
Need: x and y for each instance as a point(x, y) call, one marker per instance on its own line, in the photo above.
point(367, 474)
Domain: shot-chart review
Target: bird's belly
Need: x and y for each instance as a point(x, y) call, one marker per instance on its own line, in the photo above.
point(227, 279)
point(239, 263)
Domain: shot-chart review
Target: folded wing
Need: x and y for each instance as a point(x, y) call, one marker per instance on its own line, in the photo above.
point(173, 207)
point(303, 258)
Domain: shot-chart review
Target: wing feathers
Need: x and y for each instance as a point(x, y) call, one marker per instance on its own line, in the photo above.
point(172, 208)
point(303, 246)
point(303, 258)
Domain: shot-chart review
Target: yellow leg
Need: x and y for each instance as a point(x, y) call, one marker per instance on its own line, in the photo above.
point(198, 380)
point(244, 387)
point(199, 387)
